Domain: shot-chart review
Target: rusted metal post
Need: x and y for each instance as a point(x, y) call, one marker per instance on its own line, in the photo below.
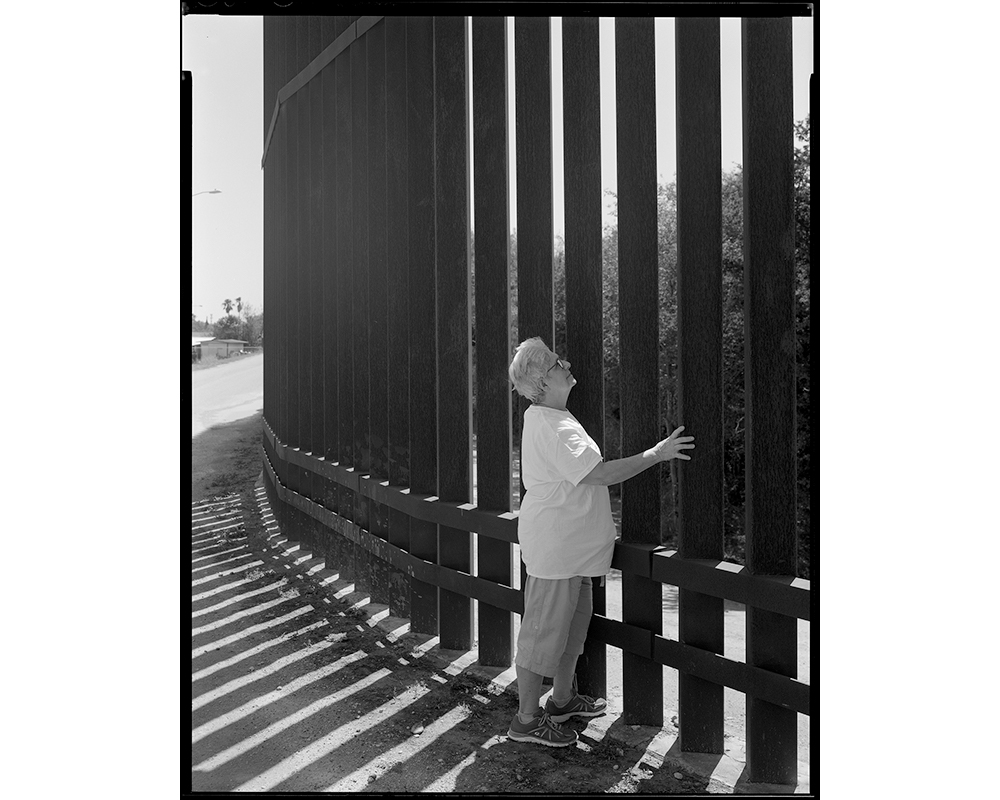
point(584, 286)
point(454, 323)
point(533, 127)
point(398, 298)
point(492, 263)
point(533, 142)
point(305, 269)
point(328, 268)
point(310, 291)
point(362, 324)
point(290, 435)
point(272, 298)
point(279, 143)
point(769, 302)
point(377, 297)
point(639, 340)
point(699, 313)
point(316, 276)
point(345, 302)
point(422, 308)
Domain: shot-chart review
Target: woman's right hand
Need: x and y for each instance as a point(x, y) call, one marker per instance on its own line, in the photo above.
point(672, 446)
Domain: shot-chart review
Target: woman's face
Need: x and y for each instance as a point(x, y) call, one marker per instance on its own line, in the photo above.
point(559, 377)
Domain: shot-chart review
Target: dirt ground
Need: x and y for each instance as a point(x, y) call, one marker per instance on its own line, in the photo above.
point(226, 460)
point(298, 687)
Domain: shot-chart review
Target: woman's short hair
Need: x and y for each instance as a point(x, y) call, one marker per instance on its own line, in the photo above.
point(529, 367)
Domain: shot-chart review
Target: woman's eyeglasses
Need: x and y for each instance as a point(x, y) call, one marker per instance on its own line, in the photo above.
point(559, 363)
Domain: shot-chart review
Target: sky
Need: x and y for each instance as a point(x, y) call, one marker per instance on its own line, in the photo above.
point(225, 56)
point(226, 59)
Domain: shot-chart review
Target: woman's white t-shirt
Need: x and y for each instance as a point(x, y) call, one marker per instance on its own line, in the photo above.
point(564, 527)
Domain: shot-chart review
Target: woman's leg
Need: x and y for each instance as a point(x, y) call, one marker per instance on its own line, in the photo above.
point(538, 599)
point(563, 688)
point(564, 679)
point(529, 690)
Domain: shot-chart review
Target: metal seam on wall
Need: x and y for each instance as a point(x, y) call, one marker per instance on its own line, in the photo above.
point(355, 30)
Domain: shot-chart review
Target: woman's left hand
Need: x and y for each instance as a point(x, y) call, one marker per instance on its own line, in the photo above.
point(673, 446)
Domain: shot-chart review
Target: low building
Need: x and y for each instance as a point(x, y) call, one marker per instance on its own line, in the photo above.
point(196, 343)
point(221, 348)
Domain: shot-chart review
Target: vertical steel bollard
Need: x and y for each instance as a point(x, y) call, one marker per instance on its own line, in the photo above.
point(492, 265)
point(454, 325)
point(398, 298)
point(378, 297)
point(422, 311)
point(361, 445)
point(639, 340)
point(769, 302)
point(584, 284)
point(699, 310)
point(345, 301)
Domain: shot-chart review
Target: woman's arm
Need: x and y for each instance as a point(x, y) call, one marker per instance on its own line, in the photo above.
point(621, 469)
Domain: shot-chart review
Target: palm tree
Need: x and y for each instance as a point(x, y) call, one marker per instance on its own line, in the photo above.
point(227, 305)
point(239, 305)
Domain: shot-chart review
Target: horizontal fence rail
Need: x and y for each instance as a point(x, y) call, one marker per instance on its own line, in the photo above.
point(391, 325)
point(724, 579)
point(720, 579)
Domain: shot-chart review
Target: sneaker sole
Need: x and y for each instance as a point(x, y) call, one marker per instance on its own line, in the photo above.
point(564, 717)
point(524, 737)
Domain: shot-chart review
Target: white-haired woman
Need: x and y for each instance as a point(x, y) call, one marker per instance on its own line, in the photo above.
point(567, 538)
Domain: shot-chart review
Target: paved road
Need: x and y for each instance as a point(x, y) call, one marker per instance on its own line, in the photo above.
point(228, 392)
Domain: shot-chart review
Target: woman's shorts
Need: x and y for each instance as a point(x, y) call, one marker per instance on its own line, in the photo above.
point(556, 617)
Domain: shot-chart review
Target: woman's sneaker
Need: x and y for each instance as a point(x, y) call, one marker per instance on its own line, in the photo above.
point(579, 706)
point(541, 730)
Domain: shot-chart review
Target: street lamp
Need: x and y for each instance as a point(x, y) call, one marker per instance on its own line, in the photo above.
point(207, 191)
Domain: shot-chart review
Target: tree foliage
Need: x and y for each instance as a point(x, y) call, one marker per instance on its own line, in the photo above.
point(732, 343)
point(247, 325)
point(199, 326)
point(228, 327)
